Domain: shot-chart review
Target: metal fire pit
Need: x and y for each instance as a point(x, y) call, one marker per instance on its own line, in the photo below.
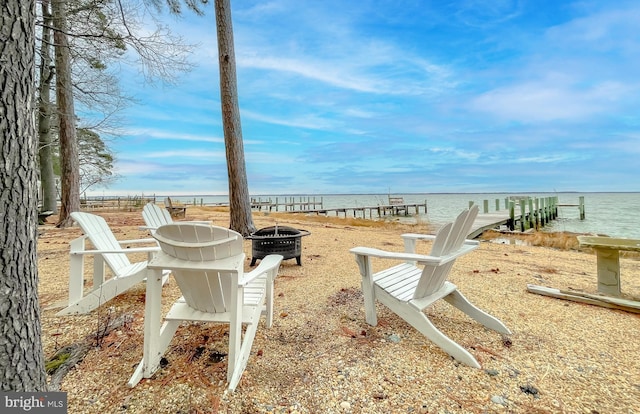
point(282, 240)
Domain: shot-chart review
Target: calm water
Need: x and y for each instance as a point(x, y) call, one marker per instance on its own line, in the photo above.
point(613, 214)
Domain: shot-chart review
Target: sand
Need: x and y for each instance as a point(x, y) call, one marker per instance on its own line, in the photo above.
point(321, 356)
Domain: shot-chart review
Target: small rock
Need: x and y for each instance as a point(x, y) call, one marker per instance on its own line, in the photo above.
point(529, 389)
point(394, 338)
point(497, 399)
point(492, 372)
point(345, 405)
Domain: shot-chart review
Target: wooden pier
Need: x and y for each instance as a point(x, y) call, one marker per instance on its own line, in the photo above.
point(289, 204)
point(405, 209)
point(520, 214)
point(396, 207)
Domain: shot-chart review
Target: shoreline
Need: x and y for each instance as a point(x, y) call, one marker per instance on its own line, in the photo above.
point(321, 356)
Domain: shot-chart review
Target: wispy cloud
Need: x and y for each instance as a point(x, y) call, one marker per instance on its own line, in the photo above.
point(172, 135)
point(190, 153)
point(546, 101)
point(361, 96)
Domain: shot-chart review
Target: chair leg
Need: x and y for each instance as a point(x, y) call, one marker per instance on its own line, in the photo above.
point(419, 320)
point(243, 355)
point(269, 299)
point(167, 331)
point(368, 289)
point(458, 300)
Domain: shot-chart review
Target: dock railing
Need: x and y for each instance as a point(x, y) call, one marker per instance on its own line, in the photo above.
point(530, 212)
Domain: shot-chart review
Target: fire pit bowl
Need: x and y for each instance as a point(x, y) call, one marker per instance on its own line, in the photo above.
point(282, 240)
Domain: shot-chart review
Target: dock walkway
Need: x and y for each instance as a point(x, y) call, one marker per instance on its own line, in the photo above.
point(488, 221)
point(519, 213)
point(380, 210)
point(309, 205)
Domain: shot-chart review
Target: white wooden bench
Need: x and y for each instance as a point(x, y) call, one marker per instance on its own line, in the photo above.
point(608, 269)
point(608, 260)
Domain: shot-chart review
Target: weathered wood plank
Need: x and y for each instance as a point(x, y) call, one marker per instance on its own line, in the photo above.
point(598, 300)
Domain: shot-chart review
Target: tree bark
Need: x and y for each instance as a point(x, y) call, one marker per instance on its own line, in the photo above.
point(69, 168)
point(45, 154)
point(21, 356)
point(241, 219)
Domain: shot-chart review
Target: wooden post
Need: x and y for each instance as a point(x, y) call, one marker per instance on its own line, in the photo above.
point(497, 204)
point(522, 215)
point(531, 215)
point(548, 210)
point(537, 218)
point(506, 203)
point(486, 206)
point(512, 215)
point(470, 204)
point(581, 207)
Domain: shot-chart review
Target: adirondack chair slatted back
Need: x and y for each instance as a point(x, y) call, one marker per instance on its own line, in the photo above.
point(154, 216)
point(465, 227)
point(208, 290)
point(102, 238)
point(448, 239)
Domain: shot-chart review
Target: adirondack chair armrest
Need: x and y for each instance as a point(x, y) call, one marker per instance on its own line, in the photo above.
point(414, 257)
point(416, 236)
point(150, 249)
point(266, 265)
point(410, 240)
point(383, 254)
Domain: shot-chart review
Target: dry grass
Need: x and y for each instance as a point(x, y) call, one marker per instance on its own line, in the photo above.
point(322, 357)
point(556, 240)
point(335, 220)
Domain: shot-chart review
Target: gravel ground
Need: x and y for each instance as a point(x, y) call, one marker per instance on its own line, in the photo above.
point(321, 356)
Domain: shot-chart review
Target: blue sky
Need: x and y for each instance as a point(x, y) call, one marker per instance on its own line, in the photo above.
point(377, 96)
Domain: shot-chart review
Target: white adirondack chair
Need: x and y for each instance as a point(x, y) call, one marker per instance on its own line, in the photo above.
point(107, 250)
point(409, 288)
point(155, 216)
point(208, 265)
point(175, 211)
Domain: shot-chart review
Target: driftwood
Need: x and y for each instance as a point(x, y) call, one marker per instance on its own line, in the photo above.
point(598, 300)
point(66, 358)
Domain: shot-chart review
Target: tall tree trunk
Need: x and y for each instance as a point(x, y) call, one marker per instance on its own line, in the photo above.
point(21, 356)
point(69, 168)
point(47, 177)
point(241, 219)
